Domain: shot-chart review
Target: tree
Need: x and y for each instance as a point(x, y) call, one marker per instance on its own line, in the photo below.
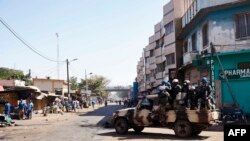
point(73, 83)
point(97, 84)
point(8, 74)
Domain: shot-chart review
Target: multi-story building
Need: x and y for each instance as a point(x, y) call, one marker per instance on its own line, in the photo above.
point(224, 25)
point(158, 61)
point(182, 42)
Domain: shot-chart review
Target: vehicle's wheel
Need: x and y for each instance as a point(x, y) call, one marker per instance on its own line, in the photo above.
point(121, 126)
point(196, 132)
point(228, 119)
point(182, 128)
point(138, 129)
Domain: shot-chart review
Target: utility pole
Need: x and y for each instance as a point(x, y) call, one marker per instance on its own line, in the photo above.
point(58, 67)
point(67, 61)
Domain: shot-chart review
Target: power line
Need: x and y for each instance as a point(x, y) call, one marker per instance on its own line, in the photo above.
point(25, 42)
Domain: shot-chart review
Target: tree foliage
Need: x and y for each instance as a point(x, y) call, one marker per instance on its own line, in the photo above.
point(9, 74)
point(73, 83)
point(97, 84)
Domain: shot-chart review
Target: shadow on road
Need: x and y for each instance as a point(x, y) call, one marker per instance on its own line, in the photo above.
point(103, 111)
point(132, 135)
point(217, 128)
point(106, 112)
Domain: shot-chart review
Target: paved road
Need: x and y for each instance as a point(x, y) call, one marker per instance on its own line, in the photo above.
point(88, 127)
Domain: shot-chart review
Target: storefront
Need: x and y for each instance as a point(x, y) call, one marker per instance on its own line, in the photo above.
point(237, 70)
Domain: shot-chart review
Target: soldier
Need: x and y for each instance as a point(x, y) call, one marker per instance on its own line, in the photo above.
point(164, 97)
point(192, 98)
point(176, 89)
point(205, 96)
point(186, 92)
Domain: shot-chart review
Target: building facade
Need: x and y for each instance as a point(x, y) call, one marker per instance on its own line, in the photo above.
point(182, 43)
point(51, 86)
point(158, 61)
point(224, 26)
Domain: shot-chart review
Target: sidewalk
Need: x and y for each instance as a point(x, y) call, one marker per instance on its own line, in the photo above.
point(39, 118)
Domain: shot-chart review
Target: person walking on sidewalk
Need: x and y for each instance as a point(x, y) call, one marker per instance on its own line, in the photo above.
point(29, 109)
point(7, 109)
point(93, 104)
point(21, 109)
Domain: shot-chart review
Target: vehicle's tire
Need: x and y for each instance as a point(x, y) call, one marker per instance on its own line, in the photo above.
point(183, 128)
point(138, 129)
point(196, 132)
point(227, 119)
point(121, 126)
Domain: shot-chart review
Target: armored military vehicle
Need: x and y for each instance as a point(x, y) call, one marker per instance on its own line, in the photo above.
point(147, 113)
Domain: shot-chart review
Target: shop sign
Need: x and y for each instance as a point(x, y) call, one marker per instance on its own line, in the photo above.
point(236, 73)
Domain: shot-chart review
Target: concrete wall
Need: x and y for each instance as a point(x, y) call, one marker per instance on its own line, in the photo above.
point(49, 85)
point(192, 7)
point(221, 30)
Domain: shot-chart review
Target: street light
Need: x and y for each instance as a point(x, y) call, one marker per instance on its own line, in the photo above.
point(86, 88)
point(67, 61)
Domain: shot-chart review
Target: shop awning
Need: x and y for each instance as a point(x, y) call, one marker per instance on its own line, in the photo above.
point(41, 96)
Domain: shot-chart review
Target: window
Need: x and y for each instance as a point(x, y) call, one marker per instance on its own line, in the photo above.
point(205, 35)
point(170, 59)
point(151, 53)
point(185, 47)
point(147, 60)
point(157, 44)
point(242, 22)
point(160, 67)
point(194, 48)
point(147, 77)
point(169, 28)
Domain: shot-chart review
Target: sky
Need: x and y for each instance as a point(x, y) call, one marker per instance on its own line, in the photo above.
point(106, 36)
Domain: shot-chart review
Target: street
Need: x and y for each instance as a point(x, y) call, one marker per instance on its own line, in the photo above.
point(87, 125)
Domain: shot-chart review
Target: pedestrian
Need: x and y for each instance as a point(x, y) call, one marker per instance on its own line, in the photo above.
point(29, 109)
point(74, 105)
point(93, 104)
point(7, 108)
point(21, 109)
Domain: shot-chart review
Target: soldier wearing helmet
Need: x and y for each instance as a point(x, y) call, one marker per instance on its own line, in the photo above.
point(176, 89)
point(164, 97)
point(204, 94)
point(186, 91)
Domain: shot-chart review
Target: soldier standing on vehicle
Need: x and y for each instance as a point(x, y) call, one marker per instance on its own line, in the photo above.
point(205, 99)
point(164, 98)
point(186, 92)
point(176, 89)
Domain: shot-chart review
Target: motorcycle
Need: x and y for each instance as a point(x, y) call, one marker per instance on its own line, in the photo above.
point(231, 115)
point(6, 121)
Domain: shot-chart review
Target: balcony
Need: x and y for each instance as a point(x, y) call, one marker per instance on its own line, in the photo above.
point(194, 7)
point(152, 60)
point(189, 57)
point(160, 59)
